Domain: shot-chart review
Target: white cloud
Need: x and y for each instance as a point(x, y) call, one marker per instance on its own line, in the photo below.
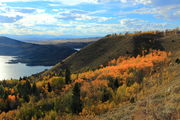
point(77, 27)
point(135, 2)
point(55, 10)
point(79, 15)
point(21, 11)
point(19, 14)
point(130, 2)
point(170, 12)
point(53, 5)
point(98, 19)
point(66, 2)
point(1, 4)
point(156, 3)
point(32, 17)
point(75, 2)
point(176, 13)
point(81, 22)
point(33, 20)
point(136, 25)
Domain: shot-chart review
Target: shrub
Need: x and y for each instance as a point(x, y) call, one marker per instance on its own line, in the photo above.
point(63, 103)
point(120, 94)
point(27, 112)
point(57, 82)
point(52, 115)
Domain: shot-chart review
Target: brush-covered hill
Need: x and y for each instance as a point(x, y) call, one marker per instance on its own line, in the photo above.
point(160, 99)
point(141, 83)
point(113, 46)
point(33, 54)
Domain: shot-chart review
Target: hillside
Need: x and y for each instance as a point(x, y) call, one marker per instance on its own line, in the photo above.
point(33, 54)
point(157, 101)
point(141, 83)
point(110, 47)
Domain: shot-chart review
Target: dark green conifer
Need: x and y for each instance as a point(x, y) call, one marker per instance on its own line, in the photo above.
point(67, 76)
point(49, 87)
point(76, 105)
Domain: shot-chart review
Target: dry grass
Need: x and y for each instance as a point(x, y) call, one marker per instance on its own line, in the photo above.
point(108, 48)
point(156, 102)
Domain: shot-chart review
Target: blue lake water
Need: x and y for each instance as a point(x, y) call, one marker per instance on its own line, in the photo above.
point(8, 71)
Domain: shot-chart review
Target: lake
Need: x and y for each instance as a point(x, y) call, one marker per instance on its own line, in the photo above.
point(77, 49)
point(8, 71)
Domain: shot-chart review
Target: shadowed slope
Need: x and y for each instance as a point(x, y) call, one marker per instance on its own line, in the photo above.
point(110, 47)
point(33, 54)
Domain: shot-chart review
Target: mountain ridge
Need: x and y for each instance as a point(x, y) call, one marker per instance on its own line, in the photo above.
point(33, 54)
point(111, 47)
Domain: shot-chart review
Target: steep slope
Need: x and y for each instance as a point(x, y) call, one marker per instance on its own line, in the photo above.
point(128, 88)
point(33, 54)
point(161, 103)
point(110, 47)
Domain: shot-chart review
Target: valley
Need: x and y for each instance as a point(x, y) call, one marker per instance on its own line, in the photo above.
point(35, 54)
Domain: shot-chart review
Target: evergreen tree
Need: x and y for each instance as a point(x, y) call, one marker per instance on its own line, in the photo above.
point(76, 105)
point(27, 87)
point(114, 83)
point(34, 90)
point(20, 79)
point(2, 92)
point(24, 78)
point(24, 89)
point(106, 95)
point(67, 76)
point(49, 87)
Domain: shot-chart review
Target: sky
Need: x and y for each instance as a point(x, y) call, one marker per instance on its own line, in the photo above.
point(87, 18)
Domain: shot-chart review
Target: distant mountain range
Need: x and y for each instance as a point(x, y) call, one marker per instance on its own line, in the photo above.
point(45, 37)
point(33, 54)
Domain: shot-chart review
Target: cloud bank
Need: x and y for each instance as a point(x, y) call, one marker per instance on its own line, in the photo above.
point(86, 17)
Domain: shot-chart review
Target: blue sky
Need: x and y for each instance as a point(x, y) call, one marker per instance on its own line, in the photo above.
point(86, 17)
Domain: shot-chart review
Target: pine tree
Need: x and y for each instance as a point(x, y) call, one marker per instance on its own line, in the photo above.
point(27, 87)
point(106, 95)
point(24, 90)
point(2, 92)
point(49, 87)
point(76, 105)
point(116, 83)
point(67, 76)
point(34, 90)
point(20, 79)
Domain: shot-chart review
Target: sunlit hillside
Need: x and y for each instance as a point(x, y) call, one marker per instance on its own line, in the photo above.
point(89, 59)
point(126, 87)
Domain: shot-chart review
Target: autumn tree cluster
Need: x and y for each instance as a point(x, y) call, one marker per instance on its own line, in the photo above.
point(91, 92)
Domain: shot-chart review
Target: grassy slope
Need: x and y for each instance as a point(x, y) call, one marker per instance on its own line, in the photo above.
point(97, 53)
point(161, 103)
point(106, 49)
